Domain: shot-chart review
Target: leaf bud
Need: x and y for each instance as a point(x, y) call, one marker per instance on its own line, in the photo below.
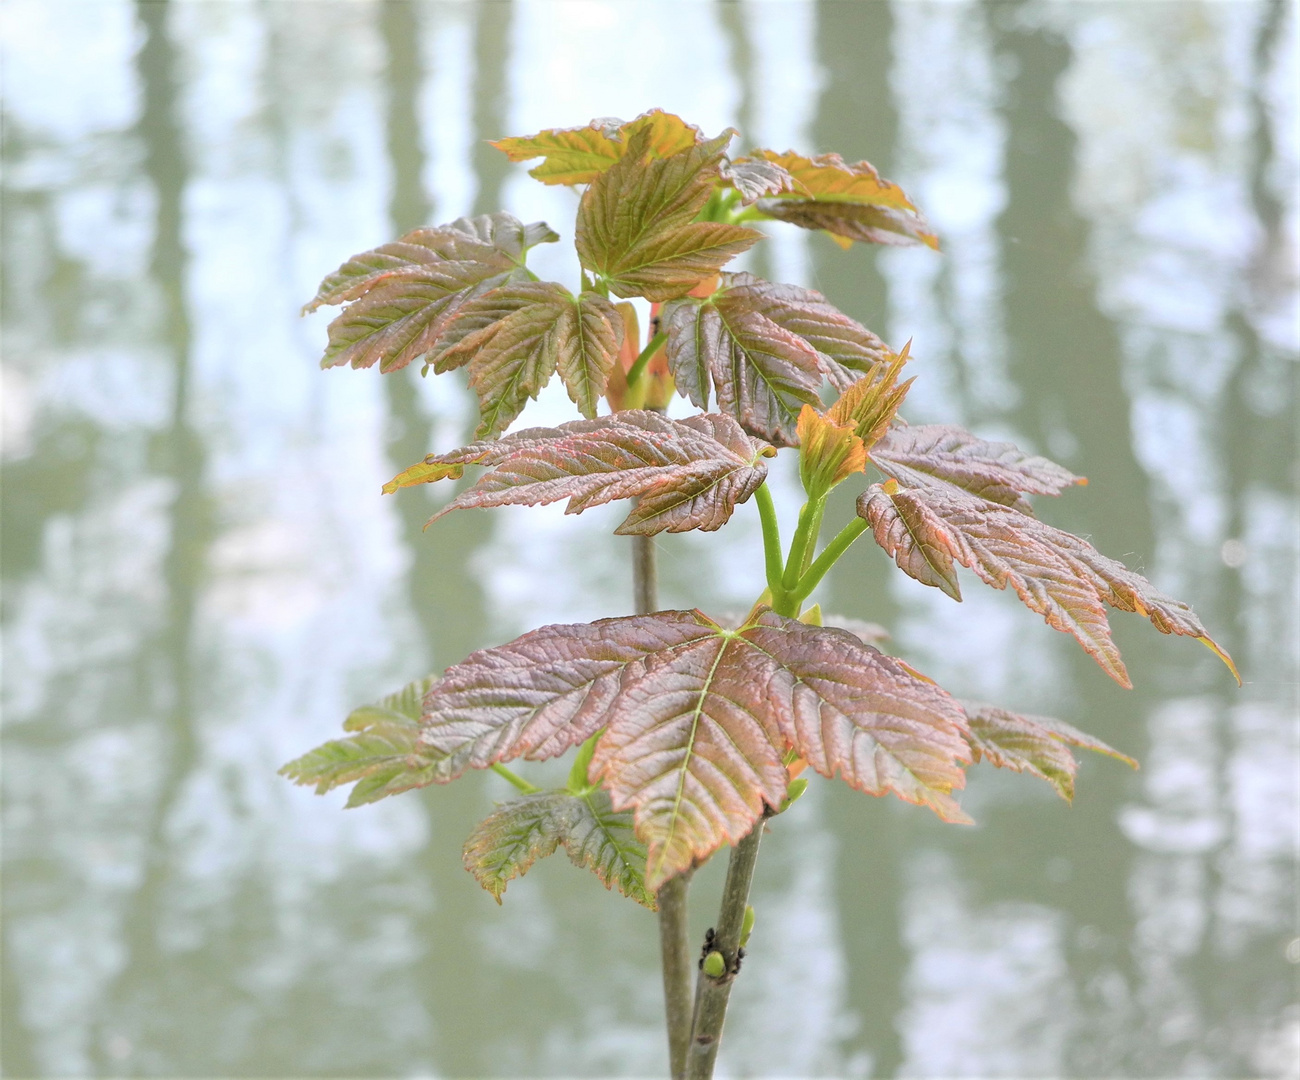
point(829, 452)
point(715, 965)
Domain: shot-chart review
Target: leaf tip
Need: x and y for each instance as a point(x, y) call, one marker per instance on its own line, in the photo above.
point(1214, 647)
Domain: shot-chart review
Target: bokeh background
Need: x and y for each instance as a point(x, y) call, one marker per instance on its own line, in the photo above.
point(200, 577)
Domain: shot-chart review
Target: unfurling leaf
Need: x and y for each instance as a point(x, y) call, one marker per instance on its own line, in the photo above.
point(404, 297)
point(1060, 576)
point(518, 833)
point(635, 226)
point(382, 755)
point(524, 331)
point(870, 404)
point(1032, 744)
point(828, 452)
point(763, 351)
point(851, 202)
point(685, 474)
point(579, 155)
point(698, 720)
point(936, 455)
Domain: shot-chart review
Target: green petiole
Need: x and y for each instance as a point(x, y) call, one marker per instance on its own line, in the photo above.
point(515, 779)
point(830, 554)
point(638, 365)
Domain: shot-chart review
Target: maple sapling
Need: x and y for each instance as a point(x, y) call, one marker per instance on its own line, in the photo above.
point(691, 733)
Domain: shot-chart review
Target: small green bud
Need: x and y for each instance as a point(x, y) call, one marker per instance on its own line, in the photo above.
point(797, 787)
point(747, 925)
point(715, 965)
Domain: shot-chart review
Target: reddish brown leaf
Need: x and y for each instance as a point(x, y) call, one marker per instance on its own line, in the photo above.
point(763, 349)
point(931, 455)
point(699, 720)
point(851, 202)
point(1037, 745)
point(635, 226)
point(403, 297)
point(1063, 578)
point(686, 474)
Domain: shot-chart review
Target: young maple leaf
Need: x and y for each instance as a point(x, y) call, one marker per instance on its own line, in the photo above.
point(1038, 745)
point(685, 474)
point(516, 336)
point(699, 720)
point(506, 843)
point(403, 297)
point(868, 406)
point(763, 350)
point(939, 455)
point(851, 202)
point(636, 227)
point(1062, 577)
point(579, 155)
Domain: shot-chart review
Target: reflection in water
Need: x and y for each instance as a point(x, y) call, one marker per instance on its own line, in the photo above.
point(200, 577)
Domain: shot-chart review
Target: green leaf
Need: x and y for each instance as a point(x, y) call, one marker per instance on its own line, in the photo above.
point(518, 833)
point(936, 455)
point(521, 333)
point(1032, 744)
point(851, 202)
point(404, 297)
point(685, 474)
point(635, 226)
point(1060, 576)
point(423, 473)
point(698, 720)
point(382, 756)
point(579, 155)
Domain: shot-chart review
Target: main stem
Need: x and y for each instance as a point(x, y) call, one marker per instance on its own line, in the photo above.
point(674, 939)
point(711, 994)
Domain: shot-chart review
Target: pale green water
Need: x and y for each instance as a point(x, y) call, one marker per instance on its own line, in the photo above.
point(201, 578)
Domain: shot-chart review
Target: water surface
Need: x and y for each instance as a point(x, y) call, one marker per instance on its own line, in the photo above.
point(201, 578)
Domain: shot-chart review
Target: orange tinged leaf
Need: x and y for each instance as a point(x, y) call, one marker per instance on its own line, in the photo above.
point(869, 405)
point(579, 155)
point(828, 452)
point(851, 202)
point(636, 227)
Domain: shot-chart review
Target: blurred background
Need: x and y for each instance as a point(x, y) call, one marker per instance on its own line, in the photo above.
point(201, 578)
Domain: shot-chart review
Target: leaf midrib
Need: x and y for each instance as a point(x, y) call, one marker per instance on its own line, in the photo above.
point(727, 637)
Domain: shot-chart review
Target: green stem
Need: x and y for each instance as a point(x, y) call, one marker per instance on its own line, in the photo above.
point(638, 365)
point(711, 993)
point(771, 540)
point(805, 535)
point(814, 531)
point(675, 954)
point(515, 779)
point(828, 557)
